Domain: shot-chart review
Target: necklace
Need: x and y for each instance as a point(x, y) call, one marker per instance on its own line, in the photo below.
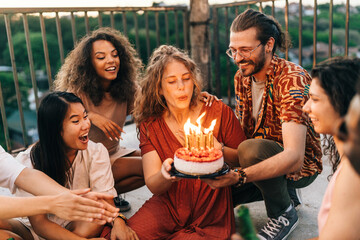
point(175, 127)
point(178, 129)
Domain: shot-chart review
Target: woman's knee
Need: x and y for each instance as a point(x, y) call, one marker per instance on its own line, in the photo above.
point(127, 167)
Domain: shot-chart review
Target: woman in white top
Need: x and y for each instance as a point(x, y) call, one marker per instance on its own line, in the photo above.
point(65, 154)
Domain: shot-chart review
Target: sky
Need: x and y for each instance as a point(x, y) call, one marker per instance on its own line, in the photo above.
point(125, 3)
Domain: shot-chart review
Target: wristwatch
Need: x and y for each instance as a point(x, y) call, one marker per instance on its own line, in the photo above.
point(242, 177)
point(119, 215)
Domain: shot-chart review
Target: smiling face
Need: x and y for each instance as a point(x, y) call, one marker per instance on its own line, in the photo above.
point(247, 41)
point(75, 128)
point(176, 85)
point(105, 60)
point(320, 110)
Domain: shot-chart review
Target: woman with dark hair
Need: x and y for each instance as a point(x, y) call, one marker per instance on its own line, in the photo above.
point(180, 208)
point(102, 70)
point(332, 88)
point(337, 77)
point(65, 154)
point(344, 215)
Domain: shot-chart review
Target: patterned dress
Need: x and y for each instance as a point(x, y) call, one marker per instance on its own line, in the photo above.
point(190, 209)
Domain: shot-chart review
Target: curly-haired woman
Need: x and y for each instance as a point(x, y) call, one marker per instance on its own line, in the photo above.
point(102, 70)
point(180, 208)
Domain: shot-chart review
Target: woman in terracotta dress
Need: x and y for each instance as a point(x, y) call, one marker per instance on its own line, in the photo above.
point(180, 208)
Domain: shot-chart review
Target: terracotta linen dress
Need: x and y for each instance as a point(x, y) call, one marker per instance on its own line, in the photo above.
point(190, 209)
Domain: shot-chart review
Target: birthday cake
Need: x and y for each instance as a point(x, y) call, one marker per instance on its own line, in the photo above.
point(198, 156)
point(198, 162)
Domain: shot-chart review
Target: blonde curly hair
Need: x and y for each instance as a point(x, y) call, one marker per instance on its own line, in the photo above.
point(78, 75)
point(150, 103)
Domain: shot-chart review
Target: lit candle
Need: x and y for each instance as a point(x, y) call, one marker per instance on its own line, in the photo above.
point(198, 141)
point(211, 139)
point(203, 141)
point(187, 134)
point(191, 139)
point(187, 141)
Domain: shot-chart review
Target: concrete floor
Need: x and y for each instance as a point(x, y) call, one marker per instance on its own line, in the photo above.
point(312, 197)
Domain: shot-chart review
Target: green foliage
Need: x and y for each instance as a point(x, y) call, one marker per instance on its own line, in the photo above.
point(10, 100)
point(354, 21)
point(141, 18)
point(21, 55)
point(9, 93)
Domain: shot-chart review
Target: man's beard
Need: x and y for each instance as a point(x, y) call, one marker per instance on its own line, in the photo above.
point(258, 64)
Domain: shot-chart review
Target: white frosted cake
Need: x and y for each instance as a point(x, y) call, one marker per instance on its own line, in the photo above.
point(198, 162)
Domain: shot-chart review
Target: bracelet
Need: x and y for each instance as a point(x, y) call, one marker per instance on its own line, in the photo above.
point(222, 147)
point(242, 177)
point(119, 215)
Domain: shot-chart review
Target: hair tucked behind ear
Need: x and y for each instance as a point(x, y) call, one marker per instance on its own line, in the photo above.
point(266, 27)
point(48, 154)
point(338, 77)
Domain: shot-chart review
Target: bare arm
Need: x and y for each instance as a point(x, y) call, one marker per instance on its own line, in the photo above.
point(153, 168)
point(230, 154)
point(231, 157)
point(110, 128)
point(65, 205)
point(288, 161)
point(11, 207)
point(121, 230)
point(30, 180)
point(69, 205)
point(344, 215)
point(50, 230)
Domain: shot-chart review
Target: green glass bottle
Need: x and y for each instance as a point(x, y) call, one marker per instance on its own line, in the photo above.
point(244, 225)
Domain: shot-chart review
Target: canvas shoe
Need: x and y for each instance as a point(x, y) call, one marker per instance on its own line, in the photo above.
point(279, 228)
point(122, 204)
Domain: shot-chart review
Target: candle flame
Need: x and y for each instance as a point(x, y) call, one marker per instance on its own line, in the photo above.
point(195, 137)
point(211, 128)
point(187, 127)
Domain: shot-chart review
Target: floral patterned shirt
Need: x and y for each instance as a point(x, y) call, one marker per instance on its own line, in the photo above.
point(285, 93)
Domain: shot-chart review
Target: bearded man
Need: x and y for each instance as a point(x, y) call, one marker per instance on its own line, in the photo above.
point(282, 152)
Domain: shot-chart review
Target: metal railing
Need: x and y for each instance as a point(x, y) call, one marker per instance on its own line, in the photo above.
point(47, 14)
point(233, 9)
point(147, 28)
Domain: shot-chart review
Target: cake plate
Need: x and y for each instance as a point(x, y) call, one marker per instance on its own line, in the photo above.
point(225, 169)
